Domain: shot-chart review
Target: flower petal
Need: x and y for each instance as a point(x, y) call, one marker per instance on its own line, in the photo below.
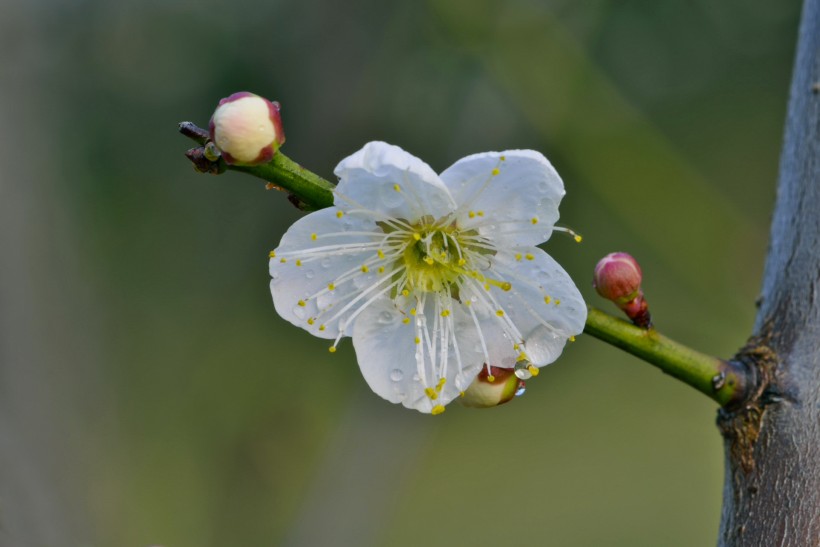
point(512, 196)
point(543, 305)
point(385, 179)
point(323, 251)
point(388, 357)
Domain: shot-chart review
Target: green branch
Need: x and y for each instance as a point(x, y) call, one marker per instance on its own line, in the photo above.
point(726, 382)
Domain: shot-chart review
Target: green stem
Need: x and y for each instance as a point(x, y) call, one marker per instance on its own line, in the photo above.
point(311, 190)
point(724, 381)
point(727, 382)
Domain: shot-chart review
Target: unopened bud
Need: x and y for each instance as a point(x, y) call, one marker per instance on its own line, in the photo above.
point(247, 129)
point(492, 388)
point(618, 278)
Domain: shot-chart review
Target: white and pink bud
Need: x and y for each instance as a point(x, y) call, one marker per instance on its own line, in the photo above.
point(618, 278)
point(492, 387)
point(247, 129)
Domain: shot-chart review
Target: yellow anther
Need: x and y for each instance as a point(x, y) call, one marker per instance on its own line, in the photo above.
point(438, 409)
point(443, 255)
point(572, 339)
point(430, 392)
point(298, 262)
point(405, 320)
point(578, 238)
point(313, 237)
point(516, 346)
point(499, 313)
point(480, 213)
point(429, 260)
point(486, 286)
point(332, 349)
point(283, 260)
point(416, 236)
point(397, 188)
point(418, 340)
point(381, 269)
point(462, 261)
point(503, 158)
point(529, 256)
point(412, 311)
point(301, 303)
point(534, 220)
point(365, 269)
point(445, 313)
point(310, 321)
point(468, 303)
point(534, 370)
point(331, 287)
point(405, 292)
point(339, 214)
point(522, 357)
point(273, 254)
point(321, 327)
point(496, 171)
point(518, 256)
point(380, 253)
point(490, 378)
point(557, 302)
point(441, 382)
point(506, 285)
point(461, 394)
point(547, 299)
point(471, 214)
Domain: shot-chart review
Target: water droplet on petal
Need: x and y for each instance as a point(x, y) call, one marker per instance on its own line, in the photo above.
point(310, 274)
point(396, 375)
point(521, 389)
point(522, 371)
point(299, 312)
point(385, 318)
point(274, 275)
point(325, 263)
point(416, 378)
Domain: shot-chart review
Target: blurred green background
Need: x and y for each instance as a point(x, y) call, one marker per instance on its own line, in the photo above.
point(150, 395)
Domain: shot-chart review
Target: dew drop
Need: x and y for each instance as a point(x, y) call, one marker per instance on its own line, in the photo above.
point(522, 371)
point(310, 274)
point(274, 275)
point(299, 311)
point(416, 378)
point(396, 375)
point(385, 318)
point(325, 263)
point(521, 389)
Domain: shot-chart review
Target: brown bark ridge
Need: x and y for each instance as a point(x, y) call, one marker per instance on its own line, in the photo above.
point(771, 495)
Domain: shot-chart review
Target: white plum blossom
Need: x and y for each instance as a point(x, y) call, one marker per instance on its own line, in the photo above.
point(433, 276)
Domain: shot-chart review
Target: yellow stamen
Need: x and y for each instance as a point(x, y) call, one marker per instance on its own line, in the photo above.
point(438, 409)
point(429, 260)
point(445, 313)
point(418, 340)
point(480, 213)
point(503, 158)
point(471, 214)
point(331, 286)
point(417, 236)
point(301, 303)
point(495, 172)
point(381, 269)
point(313, 237)
point(412, 311)
point(547, 300)
point(397, 188)
point(500, 313)
point(332, 349)
point(462, 261)
point(572, 339)
point(298, 263)
point(339, 214)
point(506, 285)
point(557, 302)
point(365, 269)
point(405, 320)
point(430, 392)
point(283, 260)
point(405, 292)
point(273, 254)
point(529, 256)
point(518, 256)
point(490, 378)
point(321, 327)
point(534, 220)
point(380, 253)
point(578, 238)
point(534, 370)
point(310, 321)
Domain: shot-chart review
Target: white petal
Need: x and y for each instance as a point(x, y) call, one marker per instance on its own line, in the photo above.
point(544, 304)
point(516, 206)
point(309, 282)
point(387, 180)
point(386, 352)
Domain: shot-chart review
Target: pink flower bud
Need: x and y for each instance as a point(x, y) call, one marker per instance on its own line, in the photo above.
point(493, 388)
point(618, 278)
point(247, 129)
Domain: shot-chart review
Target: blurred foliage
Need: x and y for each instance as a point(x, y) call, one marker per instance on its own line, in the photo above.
point(157, 397)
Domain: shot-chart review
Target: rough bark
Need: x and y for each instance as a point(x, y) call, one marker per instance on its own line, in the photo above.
point(772, 489)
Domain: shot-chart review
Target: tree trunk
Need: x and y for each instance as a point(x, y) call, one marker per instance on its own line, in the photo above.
point(771, 494)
